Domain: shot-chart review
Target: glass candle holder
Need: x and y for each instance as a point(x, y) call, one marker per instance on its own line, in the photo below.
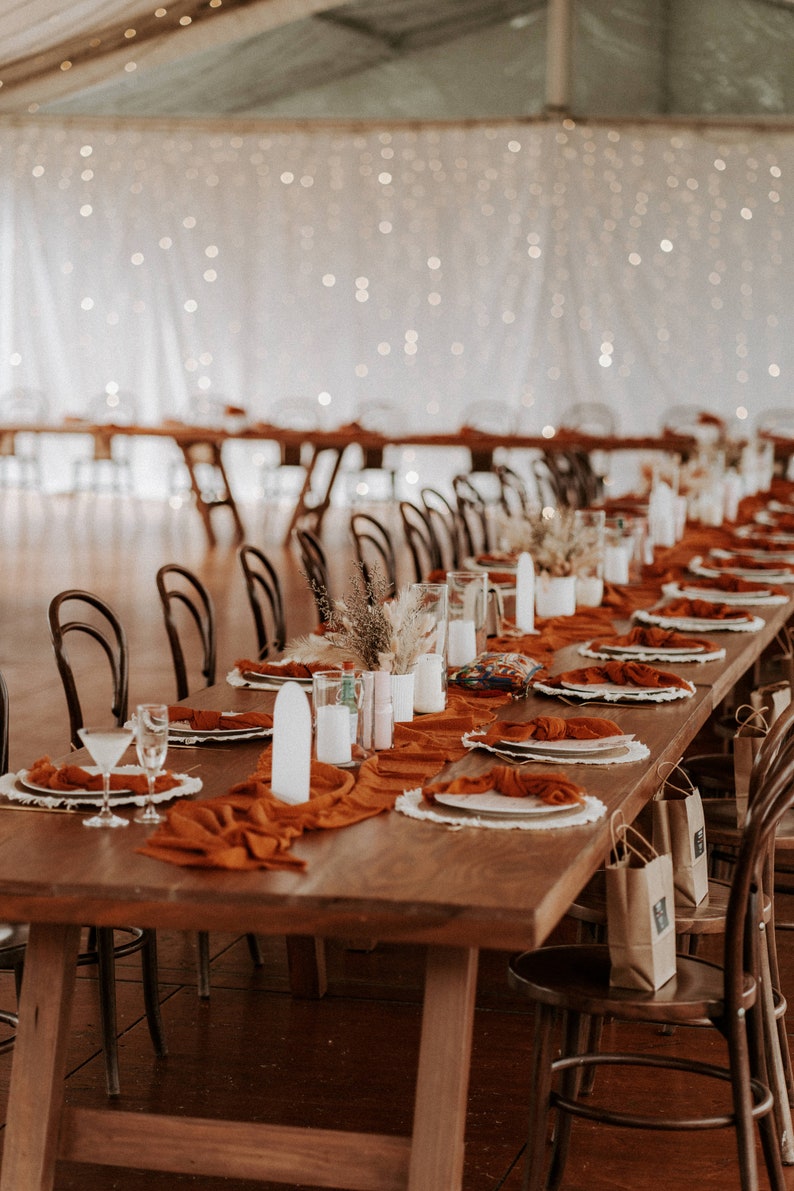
point(468, 599)
point(430, 669)
point(589, 525)
point(334, 697)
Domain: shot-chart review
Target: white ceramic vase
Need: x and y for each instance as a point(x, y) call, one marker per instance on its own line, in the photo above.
point(555, 595)
point(402, 697)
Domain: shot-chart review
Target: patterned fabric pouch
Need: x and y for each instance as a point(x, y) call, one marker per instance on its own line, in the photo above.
point(511, 672)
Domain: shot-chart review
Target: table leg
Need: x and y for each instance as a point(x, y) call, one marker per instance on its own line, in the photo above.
point(443, 1078)
point(316, 511)
point(37, 1075)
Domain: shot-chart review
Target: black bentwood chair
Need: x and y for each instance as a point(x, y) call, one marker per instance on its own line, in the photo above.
point(74, 614)
point(263, 588)
point(573, 981)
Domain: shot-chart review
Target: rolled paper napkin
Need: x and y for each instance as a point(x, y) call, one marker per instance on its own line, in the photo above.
point(553, 789)
point(656, 638)
point(701, 610)
point(621, 674)
point(553, 727)
point(747, 563)
point(63, 778)
point(281, 669)
point(210, 721)
point(734, 583)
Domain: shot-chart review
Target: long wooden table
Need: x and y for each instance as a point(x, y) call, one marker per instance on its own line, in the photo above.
point(202, 445)
point(390, 878)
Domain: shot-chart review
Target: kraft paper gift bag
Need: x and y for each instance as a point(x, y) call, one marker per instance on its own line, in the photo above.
point(679, 828)
point(640, 912)
point(748, 738)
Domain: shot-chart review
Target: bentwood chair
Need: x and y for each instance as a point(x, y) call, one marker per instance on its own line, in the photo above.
point(13, 937)
point(179, 589)
point(374, 550)
point(186, 601)
point(20, 450)
point(444, 521)
point(263, 588)
point(420, 540)
point(80, 615)
point(473, 516)
point(109, 465)
point(315, 568)
point(574, 981)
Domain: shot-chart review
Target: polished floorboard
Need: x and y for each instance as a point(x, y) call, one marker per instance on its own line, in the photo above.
point(252, 1051)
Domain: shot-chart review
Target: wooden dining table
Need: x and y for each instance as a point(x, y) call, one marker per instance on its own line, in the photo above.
point(391, 877)
point(204, 445)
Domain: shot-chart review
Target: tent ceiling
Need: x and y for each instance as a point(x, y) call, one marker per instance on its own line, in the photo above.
point(451, 59)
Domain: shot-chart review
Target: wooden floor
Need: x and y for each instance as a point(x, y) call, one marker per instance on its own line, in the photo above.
point(252, 1051)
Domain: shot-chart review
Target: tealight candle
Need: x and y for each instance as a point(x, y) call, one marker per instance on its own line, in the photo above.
point(332, 734)
point(461, 642)
point(429, 692)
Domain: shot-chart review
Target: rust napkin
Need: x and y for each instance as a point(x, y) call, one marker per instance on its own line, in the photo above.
point(656, 638)
point(622, 674)
point(63, 778)
point(555, 789)
point(701, 610)
point(743, 561)
point(553, 727)
point(209, 721)
point(284, 669)
point(733, 583)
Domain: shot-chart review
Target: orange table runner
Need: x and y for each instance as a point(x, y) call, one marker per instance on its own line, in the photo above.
point(249, 828)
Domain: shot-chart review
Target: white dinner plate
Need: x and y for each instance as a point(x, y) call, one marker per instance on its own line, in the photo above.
point(491, 803)
point(582, 748)
point(638, 650)
point(699, 566)
point(612, 691)
point(695, 624)
point(274, 679)
point(94, 770)
point(179, 730)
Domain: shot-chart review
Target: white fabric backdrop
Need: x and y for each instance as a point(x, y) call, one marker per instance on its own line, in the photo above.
point(532, 264)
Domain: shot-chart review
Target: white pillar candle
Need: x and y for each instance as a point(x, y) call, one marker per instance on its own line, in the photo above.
point(616, 563)
point(589, 590)
point(292, 744)
point(461, 642)
point(429, 683)
point(332, 741)
point(525, 593)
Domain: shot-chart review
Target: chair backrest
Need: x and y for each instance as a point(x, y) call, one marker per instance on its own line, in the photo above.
point(180, 589)
point(692, 420)
point(444, 521)
point(265, 597)
point(492, 417)
point(752, 885)
point(315, 568)
point(83, 613)
point(4, 718)
point(514, 496)
point(24, 405)
point(420, 540)
point(473, 516)
point(374, 549)
point(591, 417)
point(114, 409)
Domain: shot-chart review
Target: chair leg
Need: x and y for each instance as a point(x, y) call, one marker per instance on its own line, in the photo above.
point(151, 993)
point(570, 1087)
point(255, 951)
point(203, 962)
point(539, 1099)
point(776, 1074)
point(106, 967)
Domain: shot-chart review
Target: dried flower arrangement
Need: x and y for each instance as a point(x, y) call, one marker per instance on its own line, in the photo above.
point(366, 627)
point(556, 543)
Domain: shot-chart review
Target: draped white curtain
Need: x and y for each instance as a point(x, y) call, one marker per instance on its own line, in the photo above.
point(531, 264)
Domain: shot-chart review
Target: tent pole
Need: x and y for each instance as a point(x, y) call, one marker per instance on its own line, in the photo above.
point(558, 56)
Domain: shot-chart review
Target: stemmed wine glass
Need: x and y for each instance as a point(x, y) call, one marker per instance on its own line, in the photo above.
point(151, 741)
point(105, 745)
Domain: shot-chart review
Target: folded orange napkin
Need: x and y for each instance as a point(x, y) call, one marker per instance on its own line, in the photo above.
point(656, 638)
point(743, 561)
point(249, 827)
point(553, 727)
point(285, 669)
point(497, 558)
point(622, 674)
point(73, 777)
point(209, 721)
point(732, 583)
point(555, 789)
point(701, 610)
point(765, 542)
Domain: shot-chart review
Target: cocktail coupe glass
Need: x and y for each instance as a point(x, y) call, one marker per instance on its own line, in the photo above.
point(105, 745)
point(151, 742)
